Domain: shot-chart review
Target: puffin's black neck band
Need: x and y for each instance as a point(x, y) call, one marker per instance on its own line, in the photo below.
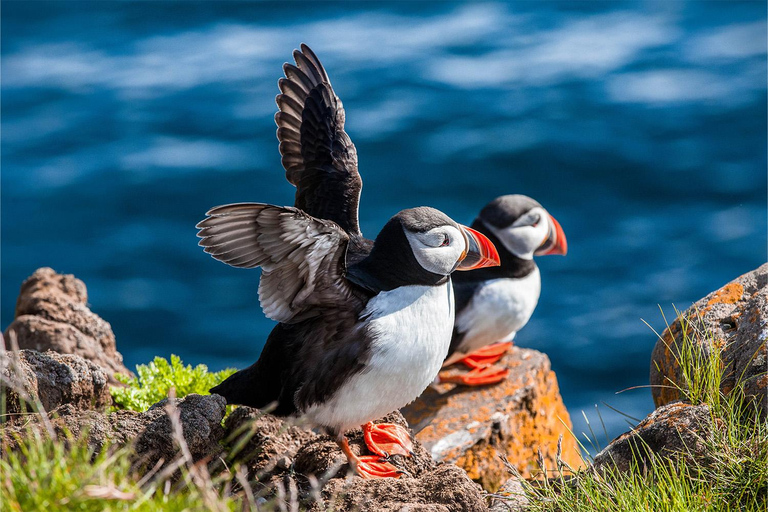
point(391, 264)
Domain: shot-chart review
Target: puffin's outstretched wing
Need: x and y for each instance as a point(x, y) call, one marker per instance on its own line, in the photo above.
point(318, 156)
point(302, 258)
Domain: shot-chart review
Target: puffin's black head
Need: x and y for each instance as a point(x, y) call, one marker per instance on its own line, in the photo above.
point(523, 226)
point(422, 246)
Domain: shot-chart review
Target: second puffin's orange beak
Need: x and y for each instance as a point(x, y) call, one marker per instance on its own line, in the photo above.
point(480, 251)
point(555, 243)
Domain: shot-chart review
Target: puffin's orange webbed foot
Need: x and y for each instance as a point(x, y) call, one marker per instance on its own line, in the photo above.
point(387, 439)
point(478, 376)
point(487, 355)
point(368, 466)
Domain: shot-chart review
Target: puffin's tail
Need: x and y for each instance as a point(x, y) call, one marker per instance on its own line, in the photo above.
point(242, 388)
point(262, 383)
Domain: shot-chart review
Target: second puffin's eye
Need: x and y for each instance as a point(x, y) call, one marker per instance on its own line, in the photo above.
point(446, 241)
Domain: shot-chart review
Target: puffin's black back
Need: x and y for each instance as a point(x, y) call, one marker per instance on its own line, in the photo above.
point(301, 364)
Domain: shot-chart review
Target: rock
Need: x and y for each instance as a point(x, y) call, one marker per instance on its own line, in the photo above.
point(151, 431)
point(674, 430)
point(472, 427)
point(443, 489)
point(200, 417)
point(736, 315)
point(514, 497)
point(117, 428)
point(284, 456)
point(52, 314)
point(268, 443)
point(52, 379)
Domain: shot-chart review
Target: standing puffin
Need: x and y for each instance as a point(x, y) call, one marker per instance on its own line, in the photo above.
point(494, 303)
point(364, 326)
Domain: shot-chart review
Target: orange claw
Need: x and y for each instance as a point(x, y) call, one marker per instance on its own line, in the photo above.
point(478, 376)
point(387, 439)
point(368, 466)
point(487, 355)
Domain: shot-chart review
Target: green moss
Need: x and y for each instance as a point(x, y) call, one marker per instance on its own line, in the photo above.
point(156, 379)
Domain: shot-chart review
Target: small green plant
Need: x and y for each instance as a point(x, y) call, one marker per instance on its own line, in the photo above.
point(155, 380)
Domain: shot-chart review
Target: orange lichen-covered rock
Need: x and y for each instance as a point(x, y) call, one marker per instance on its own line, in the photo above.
point(734, 319)
point(472, 427)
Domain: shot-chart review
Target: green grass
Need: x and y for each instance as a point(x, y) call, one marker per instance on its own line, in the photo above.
point(738, 445)
point(155, 380)
point(51, 475)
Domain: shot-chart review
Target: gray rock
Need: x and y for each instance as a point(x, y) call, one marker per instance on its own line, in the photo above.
point(53, 379)
point(52, 314)
point(676, 431)
point(736, 315)
point(514, 498)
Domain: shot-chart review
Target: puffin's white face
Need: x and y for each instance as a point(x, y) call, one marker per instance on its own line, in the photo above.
point(526, 234)
point(439, 249)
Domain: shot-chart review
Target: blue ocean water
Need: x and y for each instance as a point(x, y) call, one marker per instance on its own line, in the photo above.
point(640, 126)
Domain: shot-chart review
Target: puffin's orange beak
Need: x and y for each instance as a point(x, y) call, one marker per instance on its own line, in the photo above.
point(480, 251)
point(555, 243)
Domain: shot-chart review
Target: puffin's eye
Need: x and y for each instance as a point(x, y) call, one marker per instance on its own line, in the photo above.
point(536, 221)
point(446, 241)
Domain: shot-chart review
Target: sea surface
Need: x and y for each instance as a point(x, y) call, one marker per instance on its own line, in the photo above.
point(640, 126)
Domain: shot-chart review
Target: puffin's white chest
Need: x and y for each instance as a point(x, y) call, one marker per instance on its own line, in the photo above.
point(410, 328)
point(497, 310)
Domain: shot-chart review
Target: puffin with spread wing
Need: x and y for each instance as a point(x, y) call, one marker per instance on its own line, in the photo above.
point(364, 326)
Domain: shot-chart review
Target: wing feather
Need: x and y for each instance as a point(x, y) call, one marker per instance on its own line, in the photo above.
point(302, 258)
point(319, 158)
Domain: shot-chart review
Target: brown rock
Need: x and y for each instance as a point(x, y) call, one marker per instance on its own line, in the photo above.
point(200, 417)
point(674, 430)
point(735, 319)
point(474, 426)
point(265, 442)
point(53, 379)
point(151, 431)
point(443, 489)
point(282, 455)
point(52, 314)
point(99, 429)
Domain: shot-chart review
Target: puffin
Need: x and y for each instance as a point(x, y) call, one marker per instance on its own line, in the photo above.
point(493, 304)
point(363, 325)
